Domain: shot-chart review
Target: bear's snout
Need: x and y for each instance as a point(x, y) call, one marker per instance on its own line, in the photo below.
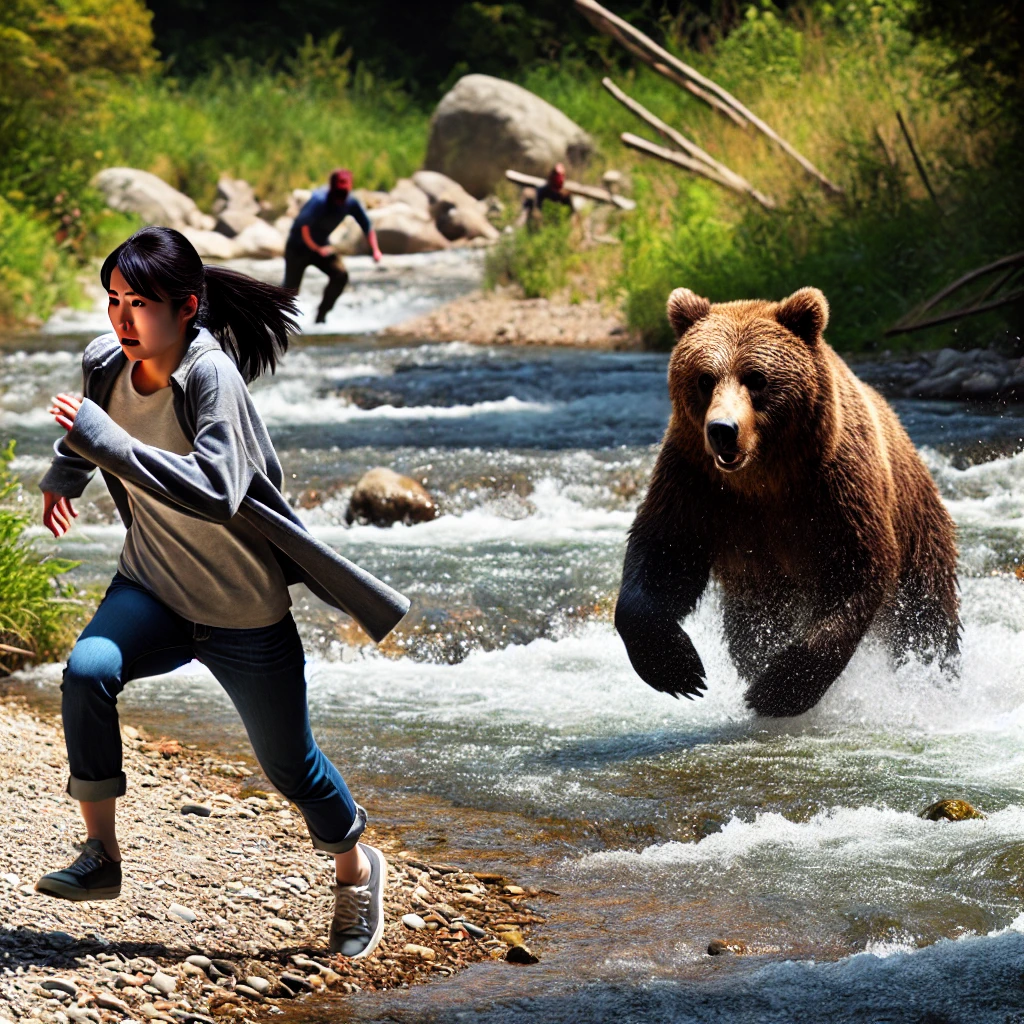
point(723, 436)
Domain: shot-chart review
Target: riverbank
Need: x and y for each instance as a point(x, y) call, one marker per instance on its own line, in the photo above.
point(224, 912)
point(502, 317)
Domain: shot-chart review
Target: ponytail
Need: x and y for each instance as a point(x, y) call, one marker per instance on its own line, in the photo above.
point(251, 320)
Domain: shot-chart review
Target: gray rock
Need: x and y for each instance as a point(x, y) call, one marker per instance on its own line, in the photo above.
point(130, 190)
point(414, 921)
point(474, 929)
point(233, 222)
point(981, 385)
point(200, 961)
point(182, 913)
point(259, 985)
point(946, 360)
point(456, 213)
point(200, 809)
point(60, 985)
point(485, 125)
point(164, 982)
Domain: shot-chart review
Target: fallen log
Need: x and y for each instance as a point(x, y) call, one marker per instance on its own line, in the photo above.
point(737, 181)
point(1010, 266)
point(674, 69)
point(601, 195)
point(672, 157)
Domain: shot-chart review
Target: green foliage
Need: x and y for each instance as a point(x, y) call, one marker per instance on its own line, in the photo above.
point(35, 614)
point(536, 258)
point(35, 276)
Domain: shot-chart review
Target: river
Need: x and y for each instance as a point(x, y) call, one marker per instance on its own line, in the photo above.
point(506, 730)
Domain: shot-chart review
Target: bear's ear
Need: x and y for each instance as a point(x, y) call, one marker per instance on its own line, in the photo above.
point(805, 313)
point(685, 309)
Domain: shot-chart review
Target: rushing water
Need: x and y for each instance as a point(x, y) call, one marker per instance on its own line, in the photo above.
point(505, 728)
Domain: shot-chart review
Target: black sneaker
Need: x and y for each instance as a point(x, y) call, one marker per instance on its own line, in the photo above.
point(94, 876)
point(358, 920)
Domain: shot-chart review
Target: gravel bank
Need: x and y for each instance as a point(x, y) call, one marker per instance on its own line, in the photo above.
point(223, 911)
point(494, 318)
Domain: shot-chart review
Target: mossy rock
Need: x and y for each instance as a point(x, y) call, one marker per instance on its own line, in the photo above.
point(951, 810)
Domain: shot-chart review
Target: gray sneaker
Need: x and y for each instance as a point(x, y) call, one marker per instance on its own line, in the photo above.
point(358, 921)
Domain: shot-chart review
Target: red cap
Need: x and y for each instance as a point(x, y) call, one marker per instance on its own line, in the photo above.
point(557, 176)
point(341, 180)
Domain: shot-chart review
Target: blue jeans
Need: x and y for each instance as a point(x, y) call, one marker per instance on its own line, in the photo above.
point(133, 635)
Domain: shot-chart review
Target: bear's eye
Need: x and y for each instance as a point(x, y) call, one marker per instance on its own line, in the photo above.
point(706, 383)
point(755, 381)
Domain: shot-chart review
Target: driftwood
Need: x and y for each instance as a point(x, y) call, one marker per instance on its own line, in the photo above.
point(917, 160)
point(602, 195)
point(675, 70)
point(1011, 266)
point(734, 180)
point(672, 157)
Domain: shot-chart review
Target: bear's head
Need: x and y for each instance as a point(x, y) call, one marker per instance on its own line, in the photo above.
point(744, 376)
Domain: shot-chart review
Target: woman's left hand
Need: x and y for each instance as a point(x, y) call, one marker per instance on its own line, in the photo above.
point(64, 408)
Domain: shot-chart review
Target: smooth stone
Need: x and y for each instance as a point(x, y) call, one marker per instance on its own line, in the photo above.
point(60, 985)
point(164, 982)
point(260, 985)
point(515, 890)
point(474, 929)
point(249, 993)
point(186, 915)
point(200, 961)
point(226, 966)
point(106, 1001)
point(423, 952)
point(721, 947)
point(951, 810)
point(296, 982)
point(414, 921)
point(281, 925)
point(201, 809)
point(520, 955)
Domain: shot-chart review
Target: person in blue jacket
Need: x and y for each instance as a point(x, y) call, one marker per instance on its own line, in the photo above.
point(308, 241)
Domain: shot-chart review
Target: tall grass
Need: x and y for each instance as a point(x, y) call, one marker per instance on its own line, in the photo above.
point(832, 88)
point(34, 603)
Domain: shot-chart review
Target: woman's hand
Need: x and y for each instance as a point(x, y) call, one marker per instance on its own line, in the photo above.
point(57, 513)
point(64, 408)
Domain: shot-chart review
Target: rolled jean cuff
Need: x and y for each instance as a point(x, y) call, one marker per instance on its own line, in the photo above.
point(104, 789)
point(343, 845)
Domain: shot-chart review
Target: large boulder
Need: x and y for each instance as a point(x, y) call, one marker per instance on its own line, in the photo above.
point(383, 497)
point(408, 192)
point(259, 240)
point(485, 125)
point(456, 213)
point(211, 244)
point(130, 190)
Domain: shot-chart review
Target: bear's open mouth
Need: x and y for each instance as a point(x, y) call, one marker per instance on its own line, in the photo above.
point(729, 461)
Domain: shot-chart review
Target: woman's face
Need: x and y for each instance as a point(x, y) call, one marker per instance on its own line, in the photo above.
point(146, 328)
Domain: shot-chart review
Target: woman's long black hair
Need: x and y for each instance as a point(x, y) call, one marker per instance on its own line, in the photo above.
point(250, 319)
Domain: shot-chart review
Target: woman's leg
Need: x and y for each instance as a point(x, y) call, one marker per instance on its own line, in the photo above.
point(263, 672)
point(131, 635)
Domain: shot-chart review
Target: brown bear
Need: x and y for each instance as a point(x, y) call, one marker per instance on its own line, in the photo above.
point(794, 485)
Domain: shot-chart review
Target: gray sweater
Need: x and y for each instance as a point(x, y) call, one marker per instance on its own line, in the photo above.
point(231, 470)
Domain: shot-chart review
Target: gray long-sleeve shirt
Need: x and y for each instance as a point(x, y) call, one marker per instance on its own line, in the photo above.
point(231, 470)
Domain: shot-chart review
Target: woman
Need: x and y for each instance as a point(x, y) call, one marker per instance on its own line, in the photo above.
point(210, 549)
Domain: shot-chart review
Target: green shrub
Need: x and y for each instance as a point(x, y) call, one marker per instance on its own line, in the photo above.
point(537, 258)
point(37, 621)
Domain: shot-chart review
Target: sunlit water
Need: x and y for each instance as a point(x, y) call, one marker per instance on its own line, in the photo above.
point(513, 734)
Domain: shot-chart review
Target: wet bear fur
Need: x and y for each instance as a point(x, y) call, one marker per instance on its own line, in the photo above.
point(794, 485)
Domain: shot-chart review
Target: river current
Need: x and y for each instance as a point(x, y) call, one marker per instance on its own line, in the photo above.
point(504, 728)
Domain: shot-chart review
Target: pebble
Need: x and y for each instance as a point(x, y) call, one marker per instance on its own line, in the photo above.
point(281, 925)
point(201, 809)
point(423, 952)
point(249, 993)
point(164, 983)
point(296, 882)
point(105, 1001)
point(226, 966)
point(474, 929)
point(515, 890)
point(186, 915)
point(722, 947)
point(11, 879)
point(296, 982)
point(60, 985)
point(414, 921)
point(197, 960)
point(259, 985)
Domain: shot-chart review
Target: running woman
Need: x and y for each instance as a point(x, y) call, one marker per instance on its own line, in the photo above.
point(210, 549)
point(308, 242)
